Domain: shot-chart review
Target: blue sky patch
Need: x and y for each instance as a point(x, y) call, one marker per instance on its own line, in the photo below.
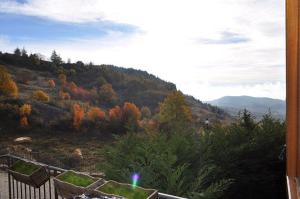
point(226, 37)
point(19, 28)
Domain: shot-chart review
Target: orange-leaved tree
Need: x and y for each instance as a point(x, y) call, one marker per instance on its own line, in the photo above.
point(131, 115)
point(41, 96)
point(64, 95)
point(25, 111)
point(107, 94)
point(24, 121)
point(78, 115)
point(115, 114)
point(95, 114)
point(8, 86)
point(51, 83)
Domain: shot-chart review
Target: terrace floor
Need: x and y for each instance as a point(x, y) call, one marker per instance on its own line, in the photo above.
point(4, 194)
point(3, 185)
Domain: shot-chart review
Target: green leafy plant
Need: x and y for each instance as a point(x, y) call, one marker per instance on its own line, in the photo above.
point(124, 190)
point(75, 179)
point(26, 168)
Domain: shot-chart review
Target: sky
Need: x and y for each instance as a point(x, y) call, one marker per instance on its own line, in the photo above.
point(209, 49)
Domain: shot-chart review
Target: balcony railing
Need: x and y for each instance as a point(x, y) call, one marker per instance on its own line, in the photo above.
point(12, 189)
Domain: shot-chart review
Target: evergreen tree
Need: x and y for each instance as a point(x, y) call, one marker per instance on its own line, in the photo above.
point(56, 59)
point(24, 53)
point(17, 52)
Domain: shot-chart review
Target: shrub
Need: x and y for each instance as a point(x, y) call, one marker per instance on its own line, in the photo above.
point(41, 96)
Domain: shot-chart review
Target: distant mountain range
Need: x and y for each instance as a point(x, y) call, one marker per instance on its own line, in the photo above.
point(257, 105)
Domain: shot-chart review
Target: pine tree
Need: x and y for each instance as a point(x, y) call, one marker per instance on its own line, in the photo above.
point(56, 59)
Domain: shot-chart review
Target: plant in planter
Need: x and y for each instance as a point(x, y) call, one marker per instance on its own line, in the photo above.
point(121, 190)
point(29, 173)
point(71, 183)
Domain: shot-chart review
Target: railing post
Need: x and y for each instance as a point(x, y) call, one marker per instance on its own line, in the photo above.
point(9, 177)
point(55, 191)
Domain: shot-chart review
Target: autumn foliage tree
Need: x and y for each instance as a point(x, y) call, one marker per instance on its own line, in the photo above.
point(107, 94)
point(115, 114)
point(8, 87)
point(51, 83)
point(24, 121)
point(125, 118)
point(131, 115)
point(115, 119)
point(41, 96)
point(78, 115)
point(78, 92)
point(131, 112)
point(96, 114)
point(25, 111)
point(146, 112)
point(64, 95)
point(174, 111)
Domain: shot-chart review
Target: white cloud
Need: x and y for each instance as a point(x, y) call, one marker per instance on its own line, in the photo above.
point(169, 46)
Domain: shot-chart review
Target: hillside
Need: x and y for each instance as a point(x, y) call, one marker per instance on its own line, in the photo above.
point(104, 86)
point(257, 105)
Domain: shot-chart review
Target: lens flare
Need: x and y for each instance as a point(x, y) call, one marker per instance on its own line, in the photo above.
point(135, 178)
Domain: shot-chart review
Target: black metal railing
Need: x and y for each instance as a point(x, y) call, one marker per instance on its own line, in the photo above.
point(13, 189)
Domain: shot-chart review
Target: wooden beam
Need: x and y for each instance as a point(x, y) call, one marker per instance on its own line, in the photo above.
point(292, 76)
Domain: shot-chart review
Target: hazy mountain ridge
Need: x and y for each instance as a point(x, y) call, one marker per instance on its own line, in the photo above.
point(257, 105)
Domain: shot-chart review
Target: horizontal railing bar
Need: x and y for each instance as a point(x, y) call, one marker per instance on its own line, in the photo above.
point(167, 196)
point(161, 195)
point(45, 165)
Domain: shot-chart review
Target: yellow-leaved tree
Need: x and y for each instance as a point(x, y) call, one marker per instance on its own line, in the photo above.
point(25, 110)
point(41, 96)
point(174, 111)
point(8, 86)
